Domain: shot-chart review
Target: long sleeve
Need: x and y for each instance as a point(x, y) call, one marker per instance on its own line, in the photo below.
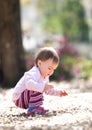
point(31, 80)
point(32, 84)
point(53, 92)
point(34, 81)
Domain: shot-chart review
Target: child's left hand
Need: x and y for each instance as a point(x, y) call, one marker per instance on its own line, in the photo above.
point(63, 93)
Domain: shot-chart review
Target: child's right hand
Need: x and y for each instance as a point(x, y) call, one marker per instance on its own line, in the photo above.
point(63, 93)
point(48, 87)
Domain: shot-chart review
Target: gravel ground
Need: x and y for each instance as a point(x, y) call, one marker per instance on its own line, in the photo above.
point(73, 112)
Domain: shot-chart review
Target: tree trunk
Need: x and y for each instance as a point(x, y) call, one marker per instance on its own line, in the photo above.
point(12, 64)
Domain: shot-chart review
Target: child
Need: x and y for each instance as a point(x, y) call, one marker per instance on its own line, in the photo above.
point(28, 92)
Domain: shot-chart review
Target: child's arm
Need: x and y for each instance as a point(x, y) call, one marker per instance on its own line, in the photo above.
point(32, 82)
point(55, 92)
point(48, 87)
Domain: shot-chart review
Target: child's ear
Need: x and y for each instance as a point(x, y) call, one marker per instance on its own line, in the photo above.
point(39, 62)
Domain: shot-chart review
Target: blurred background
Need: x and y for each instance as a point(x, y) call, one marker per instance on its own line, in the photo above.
point(27, 25)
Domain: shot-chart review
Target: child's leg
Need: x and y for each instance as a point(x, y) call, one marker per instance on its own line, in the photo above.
point(36, 99)
point(23, 101)
point(35, 103)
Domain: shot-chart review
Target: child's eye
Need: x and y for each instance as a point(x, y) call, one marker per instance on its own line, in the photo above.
point(49, 68)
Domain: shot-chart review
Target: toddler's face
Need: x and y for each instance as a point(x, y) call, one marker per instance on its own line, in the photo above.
point(47, 67)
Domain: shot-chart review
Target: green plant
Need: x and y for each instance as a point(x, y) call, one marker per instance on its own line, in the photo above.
point(85, 67)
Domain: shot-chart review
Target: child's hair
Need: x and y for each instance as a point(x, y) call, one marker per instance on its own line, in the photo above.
point(46, 53)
